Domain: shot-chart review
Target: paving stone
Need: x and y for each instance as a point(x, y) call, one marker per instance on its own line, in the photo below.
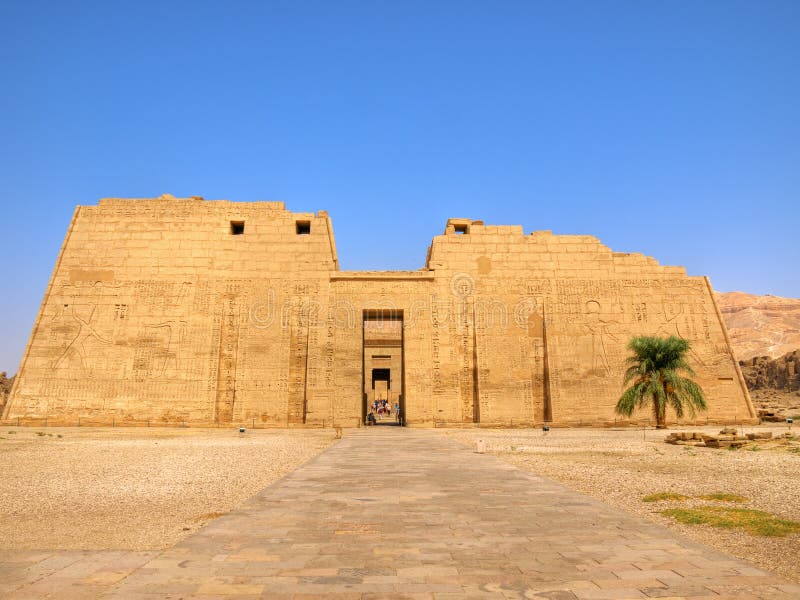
point(431, 519)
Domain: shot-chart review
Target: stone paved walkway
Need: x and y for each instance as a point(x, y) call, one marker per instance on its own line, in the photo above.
point(398, 513)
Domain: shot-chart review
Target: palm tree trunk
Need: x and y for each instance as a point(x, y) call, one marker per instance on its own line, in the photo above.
point(660, 414)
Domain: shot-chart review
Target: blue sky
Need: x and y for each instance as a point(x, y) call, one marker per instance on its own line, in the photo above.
point(670, 128)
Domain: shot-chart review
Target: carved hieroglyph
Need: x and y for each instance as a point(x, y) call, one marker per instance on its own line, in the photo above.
point(175, 310)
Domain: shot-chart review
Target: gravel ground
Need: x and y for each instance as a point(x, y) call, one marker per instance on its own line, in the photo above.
point(134, 489)
point(620, 467)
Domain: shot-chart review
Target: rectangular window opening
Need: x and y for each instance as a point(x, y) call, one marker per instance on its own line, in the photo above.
point(303, 227)
point(462, 229)
point(237, 227)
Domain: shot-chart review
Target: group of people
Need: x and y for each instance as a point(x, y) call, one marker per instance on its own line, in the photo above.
point(381, 407)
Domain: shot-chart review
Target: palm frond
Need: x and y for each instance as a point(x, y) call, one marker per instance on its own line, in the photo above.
point(630, 398)
point(655, 367)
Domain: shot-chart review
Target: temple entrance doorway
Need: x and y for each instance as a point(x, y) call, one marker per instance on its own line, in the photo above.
point(383, 380)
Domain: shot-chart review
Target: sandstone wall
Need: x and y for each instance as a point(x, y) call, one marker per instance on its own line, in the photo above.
point(157, 311)
point(164, 310)
point(568, 306)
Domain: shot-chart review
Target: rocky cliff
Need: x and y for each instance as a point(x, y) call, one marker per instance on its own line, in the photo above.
point(765, 335)
point(779, 374)
point(774, 385)
point(5, 388)
point(760, 325)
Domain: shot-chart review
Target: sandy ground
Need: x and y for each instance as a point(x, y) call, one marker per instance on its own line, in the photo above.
point(134, 489)
point(620, 467)
point(142, 489)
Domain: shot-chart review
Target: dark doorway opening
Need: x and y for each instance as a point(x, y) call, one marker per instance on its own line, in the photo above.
point(382, 375)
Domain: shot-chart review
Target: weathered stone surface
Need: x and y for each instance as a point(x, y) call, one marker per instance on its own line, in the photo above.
point(760, 435)
point(726, 443)
point(183, 310)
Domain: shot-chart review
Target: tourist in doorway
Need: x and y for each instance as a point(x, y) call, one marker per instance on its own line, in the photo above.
point(371, 418)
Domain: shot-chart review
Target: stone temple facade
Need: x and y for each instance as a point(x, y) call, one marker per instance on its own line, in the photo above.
point(183, 310)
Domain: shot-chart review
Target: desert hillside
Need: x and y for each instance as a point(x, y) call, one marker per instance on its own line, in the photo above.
point(765, 334)
point(760, 325)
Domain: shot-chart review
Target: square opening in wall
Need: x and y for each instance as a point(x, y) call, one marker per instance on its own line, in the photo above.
point(237, 227)
point(462, 229)
point(303, 227)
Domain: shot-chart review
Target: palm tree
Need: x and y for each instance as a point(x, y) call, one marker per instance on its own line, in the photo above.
point(655, 369)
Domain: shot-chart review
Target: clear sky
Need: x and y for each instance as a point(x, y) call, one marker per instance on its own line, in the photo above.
point(670, 128)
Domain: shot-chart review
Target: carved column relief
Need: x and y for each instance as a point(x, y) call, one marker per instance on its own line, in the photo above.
point(466, 378)
point(298, 365)
point(226, 369)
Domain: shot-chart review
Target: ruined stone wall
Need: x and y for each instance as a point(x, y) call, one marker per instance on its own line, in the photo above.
point(157, 311)
point(165, 310)
point(553, 315)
